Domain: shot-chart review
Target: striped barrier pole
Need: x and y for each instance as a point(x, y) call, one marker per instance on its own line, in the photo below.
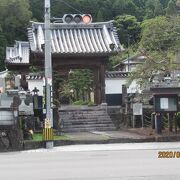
point(48, 134)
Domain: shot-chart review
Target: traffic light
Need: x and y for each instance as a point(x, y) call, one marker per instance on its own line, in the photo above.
point(77, 18)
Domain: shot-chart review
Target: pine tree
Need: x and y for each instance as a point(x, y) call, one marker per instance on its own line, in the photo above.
point(99, 16)
point(171, 10)
point(158, 10)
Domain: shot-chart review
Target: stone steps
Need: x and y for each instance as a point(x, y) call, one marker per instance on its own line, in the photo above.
point(69, 119)
point(87, 125)
point(86, 122)
point(80, 120)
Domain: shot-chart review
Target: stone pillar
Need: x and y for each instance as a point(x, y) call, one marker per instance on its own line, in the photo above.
point(158, 123)
point(124, 95)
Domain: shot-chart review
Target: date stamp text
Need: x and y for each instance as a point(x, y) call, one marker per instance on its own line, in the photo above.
point(169, 154)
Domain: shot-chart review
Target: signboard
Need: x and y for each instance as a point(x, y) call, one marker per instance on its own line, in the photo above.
point(47, 123)
point(164, 103)
point(137, 109)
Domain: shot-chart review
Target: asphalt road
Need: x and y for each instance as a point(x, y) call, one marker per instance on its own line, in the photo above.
point(93, 162)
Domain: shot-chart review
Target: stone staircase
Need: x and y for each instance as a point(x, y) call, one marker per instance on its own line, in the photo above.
point(84, 118)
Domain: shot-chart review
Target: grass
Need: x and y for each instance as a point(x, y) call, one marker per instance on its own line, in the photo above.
point(38, 137)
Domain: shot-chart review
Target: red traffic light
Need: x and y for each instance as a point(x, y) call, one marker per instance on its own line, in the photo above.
point(87, 18)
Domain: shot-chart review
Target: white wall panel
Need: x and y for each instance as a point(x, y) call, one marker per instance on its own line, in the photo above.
point(114, 86)
point(36, 83)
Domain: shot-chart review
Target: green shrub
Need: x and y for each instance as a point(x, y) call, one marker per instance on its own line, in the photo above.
point(81, 102)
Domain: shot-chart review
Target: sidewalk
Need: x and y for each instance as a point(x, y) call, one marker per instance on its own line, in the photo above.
point(133, 135)
point(125, 135)
point(105, 136)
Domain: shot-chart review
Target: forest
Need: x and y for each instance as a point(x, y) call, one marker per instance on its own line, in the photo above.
point(148, 26)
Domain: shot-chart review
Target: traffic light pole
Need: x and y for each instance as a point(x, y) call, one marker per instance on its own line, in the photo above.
point(48, 68)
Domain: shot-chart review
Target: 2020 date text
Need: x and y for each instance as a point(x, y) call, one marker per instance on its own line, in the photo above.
point(169, 154)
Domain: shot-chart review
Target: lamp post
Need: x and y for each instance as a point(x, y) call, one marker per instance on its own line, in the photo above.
point(48, 69)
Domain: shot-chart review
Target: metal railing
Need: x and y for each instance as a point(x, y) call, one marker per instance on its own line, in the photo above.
point(147, 121)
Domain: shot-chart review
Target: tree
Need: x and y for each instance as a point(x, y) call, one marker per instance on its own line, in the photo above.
point(171, 10)
point(37, 9)
point(178, 3)
point(158, 10)
point(99, 16)
point(128, 29)
point(81, 83)
point(159, 43)
point(153, 8)
point(14, 19)
point(3, 44)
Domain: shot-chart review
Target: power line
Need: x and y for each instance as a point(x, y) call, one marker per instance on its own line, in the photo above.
point(70, 6)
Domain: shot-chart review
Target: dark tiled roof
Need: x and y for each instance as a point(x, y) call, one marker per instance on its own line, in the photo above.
point(34, 77)
point(116, 74)
point(136, 59)
point(76, 39)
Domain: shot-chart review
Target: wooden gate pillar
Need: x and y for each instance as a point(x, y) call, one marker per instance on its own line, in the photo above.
point(23, 81)
point(102, 83)
point(97, 90)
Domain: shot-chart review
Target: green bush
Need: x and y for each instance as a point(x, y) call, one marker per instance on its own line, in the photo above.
point(81, 102)
point(91, 104)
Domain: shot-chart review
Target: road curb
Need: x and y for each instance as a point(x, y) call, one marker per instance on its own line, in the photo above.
point(28, 145)
point(40, 144)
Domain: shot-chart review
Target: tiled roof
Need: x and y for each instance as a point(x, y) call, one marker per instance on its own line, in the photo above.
point(136, 59)
point(67, 39)
point(76, 39)
point(116, 74)
point(34, 77)
point(19, 54)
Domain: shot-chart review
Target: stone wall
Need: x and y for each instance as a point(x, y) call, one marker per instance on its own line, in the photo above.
point(10, 138)
point(117, 116)
point(122, 120)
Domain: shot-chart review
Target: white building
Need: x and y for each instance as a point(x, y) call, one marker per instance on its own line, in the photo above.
point(116, 79)
point(114, 82)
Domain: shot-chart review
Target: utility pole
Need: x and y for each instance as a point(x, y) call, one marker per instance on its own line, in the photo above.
point(48, 69)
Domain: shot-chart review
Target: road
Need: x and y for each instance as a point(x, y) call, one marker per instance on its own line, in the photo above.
point(136, 161)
